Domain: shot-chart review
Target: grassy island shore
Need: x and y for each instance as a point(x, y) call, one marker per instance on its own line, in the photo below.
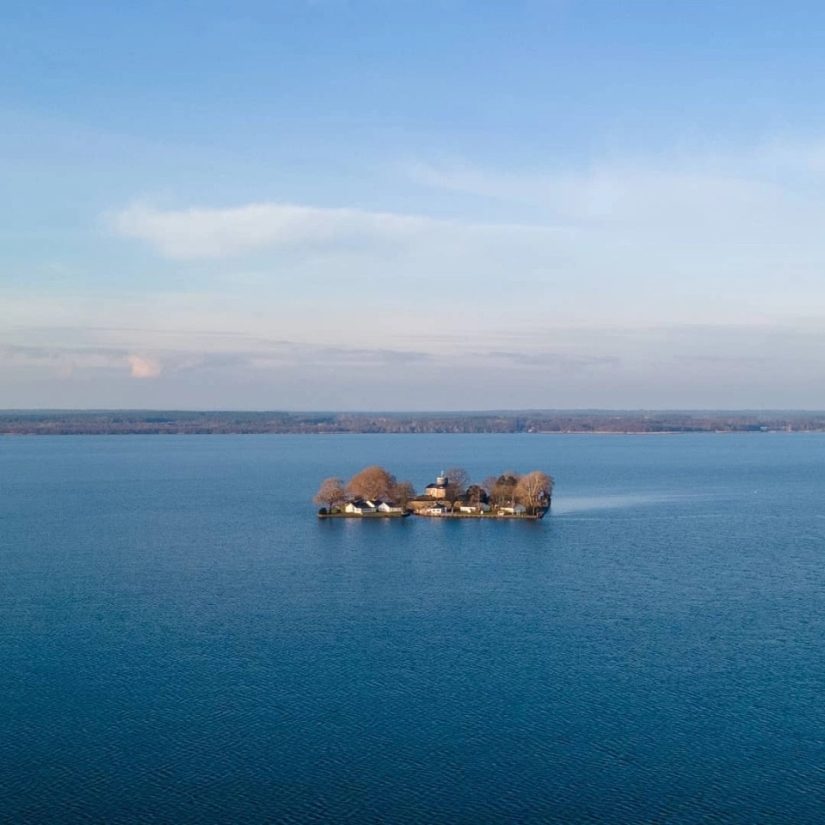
point(339, 514)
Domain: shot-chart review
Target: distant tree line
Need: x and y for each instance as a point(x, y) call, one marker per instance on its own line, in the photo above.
point(147, 422)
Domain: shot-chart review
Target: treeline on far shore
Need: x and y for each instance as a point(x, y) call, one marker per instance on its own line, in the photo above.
point(144, 422)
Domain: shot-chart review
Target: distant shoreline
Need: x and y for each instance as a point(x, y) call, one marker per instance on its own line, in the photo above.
point(552, 422)
point(13, 435)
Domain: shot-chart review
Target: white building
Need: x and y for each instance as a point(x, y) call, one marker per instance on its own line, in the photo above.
point(474, 508)
point(386, 507)
point(435, 510)
point(360, 508)
point(518, 510)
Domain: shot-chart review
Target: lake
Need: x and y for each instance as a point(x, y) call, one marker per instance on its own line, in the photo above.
point(183, 641)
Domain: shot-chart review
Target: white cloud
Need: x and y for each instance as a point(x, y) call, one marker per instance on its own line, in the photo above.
point(143, 367)
point(217, 233)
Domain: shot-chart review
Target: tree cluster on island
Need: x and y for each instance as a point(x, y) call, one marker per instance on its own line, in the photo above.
point(371, 484)
point(530, 492)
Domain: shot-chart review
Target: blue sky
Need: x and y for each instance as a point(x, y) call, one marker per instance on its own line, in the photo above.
point(344, 204)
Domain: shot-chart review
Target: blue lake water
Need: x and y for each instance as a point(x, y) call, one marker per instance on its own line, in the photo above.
point(181, 640)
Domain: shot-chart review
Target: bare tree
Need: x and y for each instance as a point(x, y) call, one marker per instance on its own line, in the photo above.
point(458, 479)
point(534, 490)
point(504, 489)
point(402, 492)
point(476, 494)
point(332, 491)
point(371, 483)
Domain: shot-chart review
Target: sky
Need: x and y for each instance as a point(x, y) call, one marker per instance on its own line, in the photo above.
point(412, 204)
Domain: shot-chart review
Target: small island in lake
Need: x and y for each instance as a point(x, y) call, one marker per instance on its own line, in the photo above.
point(375, 493)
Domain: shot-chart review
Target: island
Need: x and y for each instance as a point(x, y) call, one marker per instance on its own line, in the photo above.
point(376, 493)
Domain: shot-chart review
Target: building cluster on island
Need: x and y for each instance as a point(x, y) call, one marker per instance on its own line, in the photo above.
point(374, 492)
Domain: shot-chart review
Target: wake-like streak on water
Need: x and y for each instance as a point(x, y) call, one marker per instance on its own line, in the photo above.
point(584, 504)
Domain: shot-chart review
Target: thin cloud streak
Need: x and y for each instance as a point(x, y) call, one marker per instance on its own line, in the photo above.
point(193, 234)
point(768, 200)
point(196, 234)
